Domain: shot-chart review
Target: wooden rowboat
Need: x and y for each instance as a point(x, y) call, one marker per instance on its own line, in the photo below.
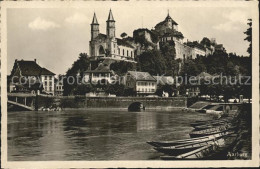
point(198, 153)
point(206, 152)
point(210, 131)
point(176, 150)
point(212, 122)
point(207, 126)
point(186, 141)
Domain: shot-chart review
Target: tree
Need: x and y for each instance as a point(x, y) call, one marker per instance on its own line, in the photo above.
point(248, 33)
point(77, 68)
point(121, 67)
point(152, 61)
point(123, 35)
point(205, 42)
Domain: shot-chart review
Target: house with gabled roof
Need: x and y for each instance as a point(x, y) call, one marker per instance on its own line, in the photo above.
point(141, 82)
point(102, 72)
point(29, 72)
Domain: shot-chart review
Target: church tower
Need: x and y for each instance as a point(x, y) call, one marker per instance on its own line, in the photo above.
point(111, 29)
point(94, 27)
point(169, 20)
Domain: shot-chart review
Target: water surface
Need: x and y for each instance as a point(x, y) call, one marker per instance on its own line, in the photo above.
point(94, 134)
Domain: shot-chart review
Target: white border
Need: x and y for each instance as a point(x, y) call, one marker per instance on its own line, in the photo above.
point(133, 164)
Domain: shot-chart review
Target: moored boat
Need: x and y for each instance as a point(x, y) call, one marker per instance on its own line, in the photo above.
point(210, 131)
point(212, 122)
point(208, 126)
point(180, 149)
point(198, 153)
point(211, 151)
point(186, 141)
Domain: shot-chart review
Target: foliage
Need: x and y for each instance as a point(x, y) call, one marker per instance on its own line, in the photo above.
point(152, 61)
point(123, 35)
point(248, 33)
point(77, 68)
point(205, 41)
point(121, 67)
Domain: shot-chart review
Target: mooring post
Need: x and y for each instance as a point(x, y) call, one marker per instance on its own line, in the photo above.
point(36, 101)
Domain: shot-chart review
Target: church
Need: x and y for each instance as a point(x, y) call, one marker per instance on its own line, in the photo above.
point(108, 46)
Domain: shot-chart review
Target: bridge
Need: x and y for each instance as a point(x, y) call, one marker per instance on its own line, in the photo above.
point(22, 101)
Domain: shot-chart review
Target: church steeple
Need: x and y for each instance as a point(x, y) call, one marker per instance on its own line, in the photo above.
point(110, 16)
point(94, 21)
point(94, 27)
point(111, 25)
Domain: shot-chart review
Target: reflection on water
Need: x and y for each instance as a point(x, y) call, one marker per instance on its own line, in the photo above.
point(93, 134)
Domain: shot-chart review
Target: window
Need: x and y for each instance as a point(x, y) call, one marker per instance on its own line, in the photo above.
point(50, 88)
point(45, 77)
point(50, 77)
point(119, 51)
point(127, 53)
point(45, 83)
point(123, 52)
point(50, 83)
point(131, 53)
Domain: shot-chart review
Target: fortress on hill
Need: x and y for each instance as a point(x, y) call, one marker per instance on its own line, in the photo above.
point(108, 46)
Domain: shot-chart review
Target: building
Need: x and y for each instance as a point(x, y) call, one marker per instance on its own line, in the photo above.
point(34, 77)
point(103, 46)
point(59, 87)
point(142, 82)
point(194, 90)
point(220, 48)
point(102, 72)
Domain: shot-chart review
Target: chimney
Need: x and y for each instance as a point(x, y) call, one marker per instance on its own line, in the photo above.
point(35, 60)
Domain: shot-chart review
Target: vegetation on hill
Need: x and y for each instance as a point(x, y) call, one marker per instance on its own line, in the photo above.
point(77, 69)
point(121, 67)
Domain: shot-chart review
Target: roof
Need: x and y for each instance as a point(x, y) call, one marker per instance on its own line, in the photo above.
point(45, 71)
point(141, 76)
point(169, 17)
point(31, 68)
point(102, 68)
point(165, 20)
point(101, 36)
point(110, 16)
point(122, 42)
point(94, 21)
point(196, 45)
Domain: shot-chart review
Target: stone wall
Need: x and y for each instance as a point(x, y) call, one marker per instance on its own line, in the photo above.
point(112, 102)
point(182, 50)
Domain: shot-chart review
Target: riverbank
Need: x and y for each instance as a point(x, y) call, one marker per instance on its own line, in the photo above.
point(242, 147)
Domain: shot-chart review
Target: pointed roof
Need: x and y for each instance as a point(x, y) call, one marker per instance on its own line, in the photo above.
point(168, 16)
point(141, 76)
point(110, 16)
point(94, 21)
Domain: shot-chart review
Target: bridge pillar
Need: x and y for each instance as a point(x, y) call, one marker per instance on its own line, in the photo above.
point(25, 101)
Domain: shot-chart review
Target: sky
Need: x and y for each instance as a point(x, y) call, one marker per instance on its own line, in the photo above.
point(56, 36)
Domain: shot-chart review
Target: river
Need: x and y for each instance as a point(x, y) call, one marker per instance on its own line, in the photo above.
point(95, 134)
